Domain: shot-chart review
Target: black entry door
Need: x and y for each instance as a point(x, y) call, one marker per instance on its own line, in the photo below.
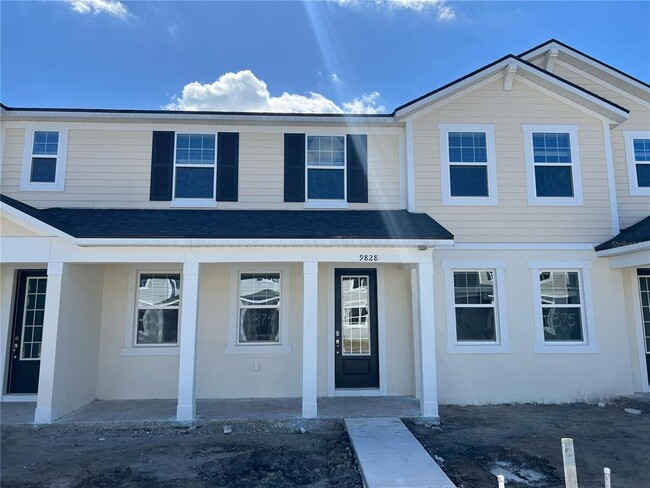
point(644, 290)
point(355, 333)
point(27, 337)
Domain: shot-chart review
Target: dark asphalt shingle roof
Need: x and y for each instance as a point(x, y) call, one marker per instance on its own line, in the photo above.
point(639, 232)
point(237, 224)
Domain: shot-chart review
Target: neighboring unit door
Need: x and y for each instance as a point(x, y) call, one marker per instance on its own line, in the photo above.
point(27, 337)
point(644, 290)
point(355, 333)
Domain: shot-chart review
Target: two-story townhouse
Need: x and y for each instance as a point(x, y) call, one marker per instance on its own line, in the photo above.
point(464, 249)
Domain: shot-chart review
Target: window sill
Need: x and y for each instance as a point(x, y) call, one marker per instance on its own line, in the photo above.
point(567, 349)
point(326, 204)
point(270, 349)
point(189, 203)
point(150, 351)
point(478, 349)
point(639, 191)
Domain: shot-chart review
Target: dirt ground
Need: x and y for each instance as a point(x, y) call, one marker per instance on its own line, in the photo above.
point(523, 442)
point(254, 454)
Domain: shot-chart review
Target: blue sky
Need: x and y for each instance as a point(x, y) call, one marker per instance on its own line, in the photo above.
point(338, 55)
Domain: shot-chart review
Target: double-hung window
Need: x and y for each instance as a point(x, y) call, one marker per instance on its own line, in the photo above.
point(476, 317)
point(157, 302)
point(563, 307)
point(44, 160)
point(326, 178)
point(552, 165)
point(259, 308)
point(637, 151)
point(195, 169)
point(468, 164)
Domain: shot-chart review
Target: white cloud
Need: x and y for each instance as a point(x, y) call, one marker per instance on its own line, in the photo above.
point(335, 78)
point(245, 92)
point(110, 7)
point(444, 11)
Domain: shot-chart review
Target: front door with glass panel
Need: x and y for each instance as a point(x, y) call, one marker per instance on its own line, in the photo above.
point(644, 290)
point(27, 336)
point(355, 333)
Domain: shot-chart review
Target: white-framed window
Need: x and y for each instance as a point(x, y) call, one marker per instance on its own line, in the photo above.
point(468, 164)
point(476, 311)
point(195, 170)
point(259, 310)
point(552, 165)
point(153, 311)
point(563, 307)
point(637, 153)
point(325, 171)
point(44, 159)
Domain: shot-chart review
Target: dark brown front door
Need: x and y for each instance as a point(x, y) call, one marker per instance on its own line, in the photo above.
point(27, 336)
point(355, 333)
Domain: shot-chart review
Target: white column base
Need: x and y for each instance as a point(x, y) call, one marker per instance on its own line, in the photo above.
point(45, 415)
point(429, 409)
point(185, 413)
point(309, 410)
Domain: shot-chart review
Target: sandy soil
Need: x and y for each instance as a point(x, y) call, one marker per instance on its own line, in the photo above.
point(523, 442)
point(255, 454)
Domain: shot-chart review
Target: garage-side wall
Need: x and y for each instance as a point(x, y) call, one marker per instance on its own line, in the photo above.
point(523, 375)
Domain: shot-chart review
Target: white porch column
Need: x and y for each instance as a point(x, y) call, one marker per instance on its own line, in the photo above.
point(186, 409)
point(429, 390)
point(309, 339)
point(45, 408)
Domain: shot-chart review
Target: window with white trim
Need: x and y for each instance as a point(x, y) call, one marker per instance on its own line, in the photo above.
point(468, 164)
point(552, 165)
point(326, 168)
point(157, 304)
point(637, 151)
point(476, 313)
point(259, 308)
point(195, 168)
point(44, 160)
point(563, 306)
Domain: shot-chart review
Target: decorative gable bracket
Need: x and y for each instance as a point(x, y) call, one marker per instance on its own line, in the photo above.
point(550, 57)
point(509, 76)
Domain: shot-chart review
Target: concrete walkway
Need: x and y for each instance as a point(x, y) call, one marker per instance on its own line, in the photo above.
point(390, 456)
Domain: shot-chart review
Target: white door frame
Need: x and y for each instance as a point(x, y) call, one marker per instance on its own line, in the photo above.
point(640, 333)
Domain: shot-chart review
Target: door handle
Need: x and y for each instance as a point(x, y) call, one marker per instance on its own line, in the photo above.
point(337, 342)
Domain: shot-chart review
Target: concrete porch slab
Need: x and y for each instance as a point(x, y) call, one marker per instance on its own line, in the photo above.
point(390, 456)
point(12, 413)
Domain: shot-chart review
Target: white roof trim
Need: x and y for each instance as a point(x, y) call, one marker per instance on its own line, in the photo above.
point(593, 103)
point(32, 223)
point(630, 248)
point(553, 45)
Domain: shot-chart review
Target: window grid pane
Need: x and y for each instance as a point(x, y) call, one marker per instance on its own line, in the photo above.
point(326, 151)
point(641, 149)
point(551, 147)
point(33, 316)
point(475, 306)
point(467, 147)
point(195, 149)
point(259, 308)
point(46, 143)
point(355, 316)
point(158, 299)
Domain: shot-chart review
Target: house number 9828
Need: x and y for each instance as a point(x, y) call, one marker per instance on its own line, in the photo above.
point(368, 257)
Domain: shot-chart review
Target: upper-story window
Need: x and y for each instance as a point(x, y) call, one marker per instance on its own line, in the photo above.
point(637, 150)
point(468, 164)
point(44, 160)
point(195, 169)
point(326, 168)
point(552, 165)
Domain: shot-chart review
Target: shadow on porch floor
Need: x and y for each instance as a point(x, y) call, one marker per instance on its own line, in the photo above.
point(222, 409)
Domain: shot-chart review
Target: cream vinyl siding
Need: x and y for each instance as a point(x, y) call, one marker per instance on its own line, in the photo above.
point(523, 375)
point(513, 220)
point(112, 169)
point(631, 208)
point(8, 228)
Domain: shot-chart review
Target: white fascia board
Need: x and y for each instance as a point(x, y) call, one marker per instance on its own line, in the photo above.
point(571, 53)
point(544, 80)
point(180, 117)
point(630, 248)
point(32, 223)
point(86, 242)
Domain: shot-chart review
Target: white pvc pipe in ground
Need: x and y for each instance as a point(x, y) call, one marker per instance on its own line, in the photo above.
point(569, 459)
point(608, 478)
point(502, 481)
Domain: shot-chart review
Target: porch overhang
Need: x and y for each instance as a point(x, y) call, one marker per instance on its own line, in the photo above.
point(630, 248)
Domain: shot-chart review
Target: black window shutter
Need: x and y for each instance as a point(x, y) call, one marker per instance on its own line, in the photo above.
point(227, 166)
point(294, 167)
point(162, 166)
point(357, 161)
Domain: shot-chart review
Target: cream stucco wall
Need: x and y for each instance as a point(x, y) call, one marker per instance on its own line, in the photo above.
point(524, 375)
point(513, 220)
point(111, 168)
